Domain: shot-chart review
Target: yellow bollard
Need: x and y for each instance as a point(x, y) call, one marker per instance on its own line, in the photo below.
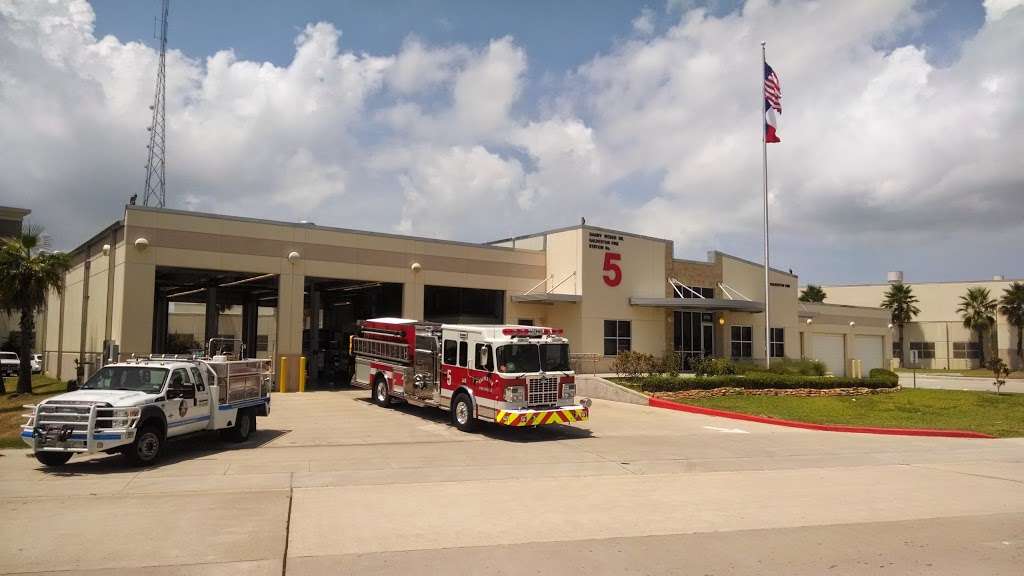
point(282, 375)
point(302, 373)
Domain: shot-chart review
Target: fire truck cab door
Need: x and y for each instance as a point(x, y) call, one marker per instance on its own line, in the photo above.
point(425, 383)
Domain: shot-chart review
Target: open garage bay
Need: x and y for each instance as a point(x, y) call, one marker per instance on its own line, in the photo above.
point(333, 484)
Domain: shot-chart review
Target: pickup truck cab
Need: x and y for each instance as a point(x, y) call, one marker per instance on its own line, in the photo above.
point(135, 407)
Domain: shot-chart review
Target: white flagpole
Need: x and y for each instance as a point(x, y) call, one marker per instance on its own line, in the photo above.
point(764, 163)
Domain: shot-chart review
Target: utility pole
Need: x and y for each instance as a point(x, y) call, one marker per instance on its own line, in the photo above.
point(156, 180)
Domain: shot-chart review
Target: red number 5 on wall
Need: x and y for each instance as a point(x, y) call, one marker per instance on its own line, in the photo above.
point(612, 272)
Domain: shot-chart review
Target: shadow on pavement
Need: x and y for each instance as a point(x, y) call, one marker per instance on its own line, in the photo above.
point(546, 433)
point(189, 448)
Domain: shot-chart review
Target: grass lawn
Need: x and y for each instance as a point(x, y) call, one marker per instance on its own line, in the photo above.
point(974, 372)
point(985, 412)
point(11, 406)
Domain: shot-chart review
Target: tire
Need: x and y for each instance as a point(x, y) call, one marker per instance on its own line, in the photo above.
point(380, 392)
point(462, 413)
point(245, 425)
point(145, 450)
point(53, 458)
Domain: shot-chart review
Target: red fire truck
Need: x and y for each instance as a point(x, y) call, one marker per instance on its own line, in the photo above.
point(510, 375)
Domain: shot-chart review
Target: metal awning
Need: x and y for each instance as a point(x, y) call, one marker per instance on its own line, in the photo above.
point(701, 304)
point(548, 298)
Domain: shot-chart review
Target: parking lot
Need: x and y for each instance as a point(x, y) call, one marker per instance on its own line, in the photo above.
point(333, 484)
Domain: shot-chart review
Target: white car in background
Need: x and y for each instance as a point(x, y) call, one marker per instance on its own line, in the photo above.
point(9, 364)
point(37, 363)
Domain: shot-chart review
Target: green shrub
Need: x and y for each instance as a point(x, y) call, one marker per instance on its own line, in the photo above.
point(669, 363)
point(634, 365)
point(760, 381)
point(711, 366)
point(784, 366)
point(882, 373)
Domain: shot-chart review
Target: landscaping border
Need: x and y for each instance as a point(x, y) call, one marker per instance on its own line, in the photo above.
point(670, 405)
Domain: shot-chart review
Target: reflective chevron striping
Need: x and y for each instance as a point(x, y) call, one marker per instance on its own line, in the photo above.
point(568, 416)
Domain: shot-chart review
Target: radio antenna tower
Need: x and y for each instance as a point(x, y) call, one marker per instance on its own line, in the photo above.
point(156, 180)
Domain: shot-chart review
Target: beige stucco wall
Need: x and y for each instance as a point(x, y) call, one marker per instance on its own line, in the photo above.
point(836, 319)
point(748, 279)
point(938, 302)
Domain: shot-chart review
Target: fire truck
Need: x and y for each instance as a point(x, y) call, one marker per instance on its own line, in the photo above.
point(509, 375)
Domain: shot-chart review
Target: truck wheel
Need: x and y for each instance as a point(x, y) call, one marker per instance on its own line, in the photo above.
point(462, 413)
point(145, 449)
point(245, 425)
point(53, 458)
point(380, 392)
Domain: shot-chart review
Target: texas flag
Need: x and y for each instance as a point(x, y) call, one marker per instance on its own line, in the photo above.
point(772, 104)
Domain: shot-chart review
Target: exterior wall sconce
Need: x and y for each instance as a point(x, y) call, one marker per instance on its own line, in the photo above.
point(416, 267)
point(721, 320)
point(293, 257)
point(810, 321)
point(106, 249)
point(890, 326)
point(141, 243)
point(852, 323)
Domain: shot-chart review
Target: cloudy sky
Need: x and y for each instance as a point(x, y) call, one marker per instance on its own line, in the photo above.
point(903, 123)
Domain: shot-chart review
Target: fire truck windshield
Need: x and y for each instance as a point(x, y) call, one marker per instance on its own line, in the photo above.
point(520, 358)
point(554, 357)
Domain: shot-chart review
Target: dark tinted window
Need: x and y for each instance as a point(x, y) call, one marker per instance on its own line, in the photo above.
point(463, 354)
point(451, 352)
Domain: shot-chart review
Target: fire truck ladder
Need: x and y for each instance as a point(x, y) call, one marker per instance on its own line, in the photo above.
point(392, 351)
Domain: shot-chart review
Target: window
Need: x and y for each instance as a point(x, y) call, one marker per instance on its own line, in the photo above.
point(617, 337)
point(704, 292)
point(514, 358)
point(897, 348)
point(554, 357)
point(463, 353)
point(140, 378)
point(966, 350)
point(925, 350)
point(742, 341)
point(777, 345)
point(262, 342)
point(198, 379)
point(525, 322)
point(451, 352)
point(484, 361)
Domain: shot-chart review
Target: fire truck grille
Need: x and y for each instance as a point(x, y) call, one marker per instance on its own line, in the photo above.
point(543, 390)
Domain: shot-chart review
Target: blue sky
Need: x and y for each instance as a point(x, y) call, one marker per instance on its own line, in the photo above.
point(900, 125)
point(558, 36)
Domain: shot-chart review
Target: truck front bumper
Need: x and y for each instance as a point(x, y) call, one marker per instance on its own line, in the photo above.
point(527, 417)
point(52, 441)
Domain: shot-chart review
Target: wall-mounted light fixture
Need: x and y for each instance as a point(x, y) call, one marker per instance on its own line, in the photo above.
point(890, 326)
point(810, 321)
point(416, 267)
point(721, 320)
point(141, 243)
point(852, 323)
point(106, 249)
point(293, 257)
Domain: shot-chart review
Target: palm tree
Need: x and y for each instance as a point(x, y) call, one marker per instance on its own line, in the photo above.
point(812, 293)
point(27, 275)
point(978, 310)
point(1012, 306)
point(900, 301)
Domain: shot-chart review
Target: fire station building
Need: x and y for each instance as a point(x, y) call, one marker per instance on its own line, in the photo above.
point(166, 281)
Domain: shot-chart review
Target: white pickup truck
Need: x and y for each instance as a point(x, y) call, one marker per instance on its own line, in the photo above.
point(134, 407)
point(9, 364)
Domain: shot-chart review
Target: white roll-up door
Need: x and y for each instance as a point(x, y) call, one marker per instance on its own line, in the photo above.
point(870, 350)
point(829, 349)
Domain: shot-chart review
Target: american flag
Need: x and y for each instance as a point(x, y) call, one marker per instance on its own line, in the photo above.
point(772, 104)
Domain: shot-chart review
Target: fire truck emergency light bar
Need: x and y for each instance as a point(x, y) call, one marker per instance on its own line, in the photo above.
point(532, 331)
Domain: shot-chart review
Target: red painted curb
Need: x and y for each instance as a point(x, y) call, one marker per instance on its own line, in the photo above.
point(669, 405)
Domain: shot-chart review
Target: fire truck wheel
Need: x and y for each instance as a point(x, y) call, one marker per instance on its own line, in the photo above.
point(146, 447)
point(462, 413)
point(53, 458)
point(245, 425)
point(380, 392)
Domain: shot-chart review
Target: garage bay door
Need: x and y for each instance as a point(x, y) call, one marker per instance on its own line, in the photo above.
point(829, 349)
point(869, 350)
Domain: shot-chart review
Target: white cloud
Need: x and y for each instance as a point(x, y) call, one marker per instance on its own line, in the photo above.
point(658, 134)
point(643, 24)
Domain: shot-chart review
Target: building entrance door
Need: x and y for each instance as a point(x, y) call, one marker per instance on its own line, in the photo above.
point(695, 336)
